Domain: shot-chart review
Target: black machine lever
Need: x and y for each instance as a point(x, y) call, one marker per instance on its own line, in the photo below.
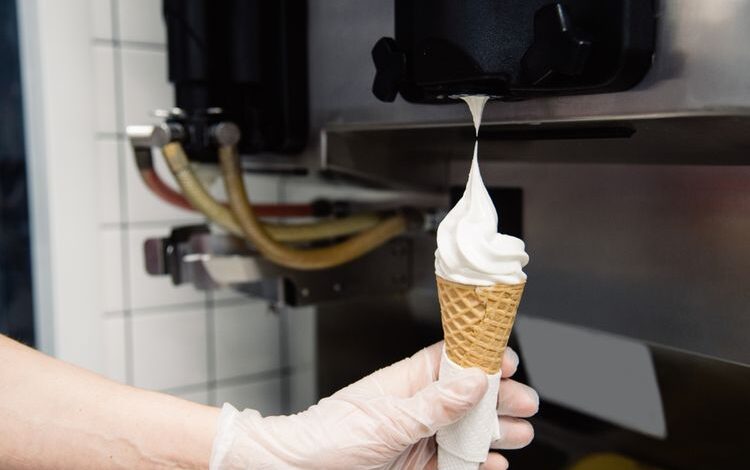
point(558, 47)
point(390, 65)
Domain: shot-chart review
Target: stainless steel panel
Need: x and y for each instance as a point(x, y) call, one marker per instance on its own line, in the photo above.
point(418, 155)
point(656, 253)
point(659, 253)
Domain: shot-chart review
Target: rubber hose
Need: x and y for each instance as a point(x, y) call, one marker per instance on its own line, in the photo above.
point(199, 198)
point(285, 210)
point(194, 191)
point(162, 191)
point(317, 258)
point(157, 186)
point(333, 228)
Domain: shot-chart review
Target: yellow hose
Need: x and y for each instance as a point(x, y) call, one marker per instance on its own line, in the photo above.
point(292, 233)
point(317, 258)
point(194, 191)
point(199, 198)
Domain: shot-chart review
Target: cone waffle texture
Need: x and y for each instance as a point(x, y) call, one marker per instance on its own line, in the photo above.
point(477, 321)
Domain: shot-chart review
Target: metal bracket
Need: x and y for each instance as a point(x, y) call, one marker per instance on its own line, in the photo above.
point(209, 261)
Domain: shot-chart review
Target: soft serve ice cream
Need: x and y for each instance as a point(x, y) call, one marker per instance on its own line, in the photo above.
point(480, 283)
point(470, 251)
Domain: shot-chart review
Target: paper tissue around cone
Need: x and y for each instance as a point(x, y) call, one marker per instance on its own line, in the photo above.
point(477, 321)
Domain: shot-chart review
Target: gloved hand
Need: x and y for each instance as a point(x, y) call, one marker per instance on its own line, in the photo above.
point(385, 421)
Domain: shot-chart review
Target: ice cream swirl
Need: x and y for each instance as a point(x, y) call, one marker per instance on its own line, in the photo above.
point(469, 249)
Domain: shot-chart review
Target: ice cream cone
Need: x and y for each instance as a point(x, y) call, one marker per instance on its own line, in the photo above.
point(477, 321)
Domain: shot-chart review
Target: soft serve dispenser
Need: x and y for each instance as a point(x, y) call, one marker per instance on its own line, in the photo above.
point(514, 49)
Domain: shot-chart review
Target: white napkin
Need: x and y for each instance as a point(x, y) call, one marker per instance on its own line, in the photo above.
point(464, 444)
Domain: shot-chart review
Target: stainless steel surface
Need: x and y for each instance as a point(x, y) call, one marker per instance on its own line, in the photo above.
point(419, 156)
point(656, 252)
point(653, 252)
point(700, 65)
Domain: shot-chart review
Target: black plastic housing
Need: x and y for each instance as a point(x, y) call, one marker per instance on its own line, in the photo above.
point(514, 49)
point(249, 59)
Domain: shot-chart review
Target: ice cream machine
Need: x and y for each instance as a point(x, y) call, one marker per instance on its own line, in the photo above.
point(616, 143)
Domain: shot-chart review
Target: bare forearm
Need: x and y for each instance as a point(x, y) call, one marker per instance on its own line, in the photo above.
point(54, 415)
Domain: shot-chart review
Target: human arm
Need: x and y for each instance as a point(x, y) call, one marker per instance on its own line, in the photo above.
point(54, 415)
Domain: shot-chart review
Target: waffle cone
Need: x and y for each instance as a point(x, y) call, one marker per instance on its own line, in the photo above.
point(477, 321)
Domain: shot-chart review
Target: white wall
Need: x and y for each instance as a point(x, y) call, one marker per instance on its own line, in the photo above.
point(57, 73)
point(91, 68)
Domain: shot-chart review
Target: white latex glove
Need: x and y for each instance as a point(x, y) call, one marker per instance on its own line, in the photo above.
point(385, 421)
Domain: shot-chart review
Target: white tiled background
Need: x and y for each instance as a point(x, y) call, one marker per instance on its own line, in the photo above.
point(206, 347)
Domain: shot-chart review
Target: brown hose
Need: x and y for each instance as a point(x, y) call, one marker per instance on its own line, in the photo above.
point(317, 258)
point(200, 199)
